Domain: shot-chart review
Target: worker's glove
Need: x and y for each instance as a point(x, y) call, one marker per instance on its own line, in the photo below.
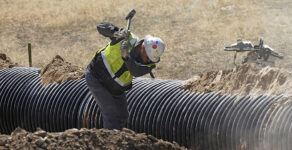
point(125, 45)
point(122, 33)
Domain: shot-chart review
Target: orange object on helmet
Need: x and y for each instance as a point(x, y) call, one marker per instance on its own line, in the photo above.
point(154, 47)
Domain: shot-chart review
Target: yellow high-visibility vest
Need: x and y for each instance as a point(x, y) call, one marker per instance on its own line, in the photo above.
point(114, 63)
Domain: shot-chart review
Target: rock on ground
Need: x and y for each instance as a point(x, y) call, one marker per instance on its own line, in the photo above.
point(5, 62)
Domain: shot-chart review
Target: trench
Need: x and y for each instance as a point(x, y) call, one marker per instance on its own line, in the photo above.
point(157, 107)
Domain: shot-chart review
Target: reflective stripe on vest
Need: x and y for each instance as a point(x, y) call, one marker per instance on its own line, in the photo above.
point(114, 63)
point(133, 41)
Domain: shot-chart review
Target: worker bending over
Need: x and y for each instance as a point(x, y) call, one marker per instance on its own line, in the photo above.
point(111, 70)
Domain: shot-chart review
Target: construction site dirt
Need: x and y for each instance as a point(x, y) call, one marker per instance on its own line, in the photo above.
point(59, 71)
point(5, 62)
point(243, 80)
point(84, 139)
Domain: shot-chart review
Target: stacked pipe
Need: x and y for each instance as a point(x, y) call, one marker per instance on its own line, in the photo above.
point(157, 107)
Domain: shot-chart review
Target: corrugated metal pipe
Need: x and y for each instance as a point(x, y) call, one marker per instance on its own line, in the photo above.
point(157, 107)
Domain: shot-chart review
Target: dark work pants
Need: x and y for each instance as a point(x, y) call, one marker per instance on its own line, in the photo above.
point(113, 109)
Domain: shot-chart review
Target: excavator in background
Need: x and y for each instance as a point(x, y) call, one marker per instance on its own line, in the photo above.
point(258, 54)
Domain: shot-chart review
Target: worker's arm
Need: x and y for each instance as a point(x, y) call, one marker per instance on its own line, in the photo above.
point(107, 29)
point(136, 69)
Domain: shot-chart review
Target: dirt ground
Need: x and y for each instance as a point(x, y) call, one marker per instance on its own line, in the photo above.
point(243, 80)
point(5, 62)
point(59, 71)
point(195, 37)
point(99, 139)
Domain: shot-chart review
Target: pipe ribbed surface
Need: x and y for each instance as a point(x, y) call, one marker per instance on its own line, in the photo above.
point(156, 107)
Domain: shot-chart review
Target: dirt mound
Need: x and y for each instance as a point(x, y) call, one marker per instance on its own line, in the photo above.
point(60, 71)
point(5, 62)
point(84, 139)
point(243, 80)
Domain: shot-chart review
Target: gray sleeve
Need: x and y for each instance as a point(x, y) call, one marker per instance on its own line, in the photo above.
point(136, 69)
point(107, 29)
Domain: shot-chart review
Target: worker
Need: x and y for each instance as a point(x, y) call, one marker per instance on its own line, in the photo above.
point(111, 70)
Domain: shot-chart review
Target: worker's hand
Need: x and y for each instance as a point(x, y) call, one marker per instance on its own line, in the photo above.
point(125, 45)
point(122, 33)
point(125, 33)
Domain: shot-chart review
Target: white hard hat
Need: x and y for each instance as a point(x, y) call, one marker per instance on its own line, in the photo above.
point(154, 47)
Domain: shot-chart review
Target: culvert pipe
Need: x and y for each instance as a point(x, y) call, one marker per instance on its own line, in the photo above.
point(157, 107)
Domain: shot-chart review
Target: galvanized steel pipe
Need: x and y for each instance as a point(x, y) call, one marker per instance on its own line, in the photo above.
point(157, 107)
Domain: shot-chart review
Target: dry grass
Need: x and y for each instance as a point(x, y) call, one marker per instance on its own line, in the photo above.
point(195, 32)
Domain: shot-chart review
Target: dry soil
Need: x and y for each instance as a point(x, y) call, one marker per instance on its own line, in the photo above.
point(59, 71)
point(5, 62)
point(243, 80)
point(99, 139)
